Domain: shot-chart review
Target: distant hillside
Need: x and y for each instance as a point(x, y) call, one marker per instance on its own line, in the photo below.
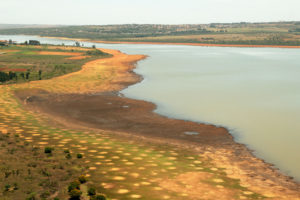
point(272, 33)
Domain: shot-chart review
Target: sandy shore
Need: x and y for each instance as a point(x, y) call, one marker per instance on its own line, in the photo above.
point(84, 106)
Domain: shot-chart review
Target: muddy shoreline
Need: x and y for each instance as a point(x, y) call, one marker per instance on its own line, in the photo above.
point(135, 120)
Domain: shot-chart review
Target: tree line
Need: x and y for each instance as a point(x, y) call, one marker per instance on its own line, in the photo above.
point(8, 76)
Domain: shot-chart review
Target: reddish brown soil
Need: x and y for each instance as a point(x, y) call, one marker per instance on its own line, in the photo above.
point(13, 69)
point(110, 112)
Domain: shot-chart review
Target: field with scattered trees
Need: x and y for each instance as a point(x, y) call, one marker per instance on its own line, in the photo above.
point(21, 63)
point(273, 33)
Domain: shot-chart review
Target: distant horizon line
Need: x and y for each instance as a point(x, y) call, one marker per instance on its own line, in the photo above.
point(256, 22)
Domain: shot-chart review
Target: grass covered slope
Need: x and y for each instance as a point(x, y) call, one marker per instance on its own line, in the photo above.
point(273, 33)
point(28, 63)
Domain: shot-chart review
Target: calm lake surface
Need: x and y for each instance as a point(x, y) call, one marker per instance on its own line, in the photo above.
point(254, 92)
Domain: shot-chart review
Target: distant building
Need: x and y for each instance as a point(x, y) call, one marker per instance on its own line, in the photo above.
point(34, 42)
point(3, 43)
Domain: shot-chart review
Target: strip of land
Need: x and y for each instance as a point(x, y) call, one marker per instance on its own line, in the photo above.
point(268, 33)
point(89, 100)
point(202, 44)
point(179, 43)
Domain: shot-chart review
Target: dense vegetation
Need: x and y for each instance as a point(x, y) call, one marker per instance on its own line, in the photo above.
point(277, 33)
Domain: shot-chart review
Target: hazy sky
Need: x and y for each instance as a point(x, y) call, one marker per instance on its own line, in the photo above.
point(146, 11)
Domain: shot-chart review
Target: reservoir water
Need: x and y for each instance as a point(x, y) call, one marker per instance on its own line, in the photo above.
point(254, 92)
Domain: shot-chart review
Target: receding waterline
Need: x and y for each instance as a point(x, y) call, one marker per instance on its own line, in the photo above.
point(254, 91)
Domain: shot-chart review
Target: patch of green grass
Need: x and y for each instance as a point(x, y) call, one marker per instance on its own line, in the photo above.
point(43, 66)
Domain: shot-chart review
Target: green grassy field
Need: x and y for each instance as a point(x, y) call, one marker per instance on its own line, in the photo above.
point(28, 60)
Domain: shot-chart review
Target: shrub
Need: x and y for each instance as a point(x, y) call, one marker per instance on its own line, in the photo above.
point(75, 194)
point(16, 187)
point(74, 185)
point(6, 187)
point(45, 172)
point(95, 52)
point(79, 155)
point(99, 197)
point(68, 156)
point(82, 179)
point(45, 195)
point(31, 196)
point(48, 150)
point(32, 164)
point(7, 174)
point(91, 191)
point(66, 151)
point(34, 149)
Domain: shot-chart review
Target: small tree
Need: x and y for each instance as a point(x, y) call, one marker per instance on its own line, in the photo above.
point(77, 44)
point(94, 46)
point(27, 75)
point(22, 75)
point(68, 156)
point(75, 194)
point(48, 150)
point(31, 196)
point(99, 197)
point(74, 185)
point(66, 151)
point(82, 179)
point(40, 74)
point(6, 187)
point(16, 187)
point(91, 192)
point(11, 75)
point(79, 155)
